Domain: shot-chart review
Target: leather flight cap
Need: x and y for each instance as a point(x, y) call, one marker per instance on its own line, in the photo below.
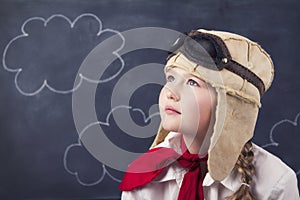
point(191, 47)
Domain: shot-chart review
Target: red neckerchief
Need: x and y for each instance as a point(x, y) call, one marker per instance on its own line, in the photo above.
point(148, 166)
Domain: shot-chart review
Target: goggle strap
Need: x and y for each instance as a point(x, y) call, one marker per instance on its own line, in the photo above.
point(245, 73)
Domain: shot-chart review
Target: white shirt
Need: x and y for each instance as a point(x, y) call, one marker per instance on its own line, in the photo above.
point(272, 180)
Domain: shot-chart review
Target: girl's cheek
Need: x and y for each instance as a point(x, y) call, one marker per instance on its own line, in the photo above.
point(189, 98)
point(161, 97)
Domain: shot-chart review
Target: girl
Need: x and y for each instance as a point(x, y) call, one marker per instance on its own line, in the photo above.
point(208, 107)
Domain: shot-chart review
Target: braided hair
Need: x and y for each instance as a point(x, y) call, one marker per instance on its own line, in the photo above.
point(244, 167)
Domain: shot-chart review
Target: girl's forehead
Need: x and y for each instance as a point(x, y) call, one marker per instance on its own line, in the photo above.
point(178, 70)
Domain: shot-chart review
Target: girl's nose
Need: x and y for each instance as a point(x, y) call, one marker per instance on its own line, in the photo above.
point(172, 95)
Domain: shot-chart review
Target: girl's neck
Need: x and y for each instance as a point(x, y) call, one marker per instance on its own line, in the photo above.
point(193, 145)
point(198, 144)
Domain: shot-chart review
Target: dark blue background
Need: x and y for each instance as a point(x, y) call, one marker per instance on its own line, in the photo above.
point(36, 130)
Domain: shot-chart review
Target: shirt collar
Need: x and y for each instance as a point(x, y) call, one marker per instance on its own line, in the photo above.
point(172, 140)
point(231, 182)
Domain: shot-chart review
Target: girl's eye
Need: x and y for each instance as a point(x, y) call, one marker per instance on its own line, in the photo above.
point(170, 78)
point(192, 82)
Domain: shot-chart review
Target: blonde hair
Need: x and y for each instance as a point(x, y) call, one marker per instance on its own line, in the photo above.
point(244, 167)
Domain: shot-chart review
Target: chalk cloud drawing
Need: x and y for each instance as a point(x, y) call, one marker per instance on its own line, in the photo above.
point(279, 135)
point(48, 53)
point(71, 149)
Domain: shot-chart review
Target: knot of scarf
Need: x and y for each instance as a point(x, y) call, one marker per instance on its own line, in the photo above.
point(191, 187)
point(148, 166)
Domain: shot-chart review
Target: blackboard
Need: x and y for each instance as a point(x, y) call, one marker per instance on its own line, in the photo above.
point(44, 45)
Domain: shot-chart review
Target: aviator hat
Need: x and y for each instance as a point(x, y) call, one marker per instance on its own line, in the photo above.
point(240, 71)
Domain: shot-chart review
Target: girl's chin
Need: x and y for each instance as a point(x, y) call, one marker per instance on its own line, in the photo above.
point(184, 131)
point(170, 127)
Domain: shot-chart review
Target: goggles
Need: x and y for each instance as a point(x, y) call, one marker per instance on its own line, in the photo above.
point(211, 52)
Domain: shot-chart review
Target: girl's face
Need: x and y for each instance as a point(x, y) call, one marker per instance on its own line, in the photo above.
point(186, 103)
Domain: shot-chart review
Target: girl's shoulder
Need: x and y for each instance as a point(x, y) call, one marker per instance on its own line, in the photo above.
point(272, 176)
point(264, 160)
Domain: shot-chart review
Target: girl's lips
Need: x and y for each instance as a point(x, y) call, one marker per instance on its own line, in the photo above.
point(171, 110)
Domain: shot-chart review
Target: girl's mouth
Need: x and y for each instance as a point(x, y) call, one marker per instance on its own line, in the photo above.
point(171, 110)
